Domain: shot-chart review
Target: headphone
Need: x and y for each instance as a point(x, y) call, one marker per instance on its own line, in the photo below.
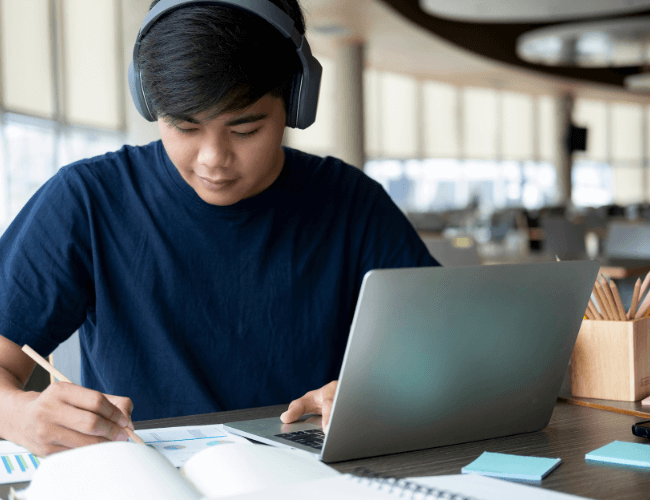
point(303, 99)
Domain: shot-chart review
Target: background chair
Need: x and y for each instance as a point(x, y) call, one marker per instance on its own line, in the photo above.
point(564, 238)
point(456, 252)
point(627, 240)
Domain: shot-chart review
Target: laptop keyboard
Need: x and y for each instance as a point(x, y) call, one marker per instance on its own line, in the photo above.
point(313, 438)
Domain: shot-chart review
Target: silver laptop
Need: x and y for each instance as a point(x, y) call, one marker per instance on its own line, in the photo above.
point(439, 356)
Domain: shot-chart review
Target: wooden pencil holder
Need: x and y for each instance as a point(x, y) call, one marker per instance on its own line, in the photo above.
point(611, 360)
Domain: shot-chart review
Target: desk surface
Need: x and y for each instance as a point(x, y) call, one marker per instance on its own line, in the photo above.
point(573, 431)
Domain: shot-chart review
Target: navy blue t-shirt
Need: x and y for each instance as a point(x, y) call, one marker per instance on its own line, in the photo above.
point(187, 307)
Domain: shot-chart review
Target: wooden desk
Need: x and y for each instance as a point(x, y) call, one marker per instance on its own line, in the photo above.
point(624, 268)
point(573, 431)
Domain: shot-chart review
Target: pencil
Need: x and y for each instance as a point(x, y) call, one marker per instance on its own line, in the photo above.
point(644, 285)
point(602, 302)
point(62, 378)
point(610, 298)
point(598, 303)
point(594, 311)
point(617, 299)
point(643, 308)
point(635, 299)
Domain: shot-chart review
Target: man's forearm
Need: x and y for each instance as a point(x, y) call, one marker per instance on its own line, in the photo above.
point(11, 390)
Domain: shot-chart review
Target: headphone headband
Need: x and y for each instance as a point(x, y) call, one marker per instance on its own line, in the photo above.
point(303, 101)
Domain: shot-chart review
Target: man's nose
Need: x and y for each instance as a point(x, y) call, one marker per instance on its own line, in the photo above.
point(215, 153)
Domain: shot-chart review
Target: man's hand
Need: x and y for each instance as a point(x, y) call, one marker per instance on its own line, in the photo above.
point(68, 416)
point(319, 402)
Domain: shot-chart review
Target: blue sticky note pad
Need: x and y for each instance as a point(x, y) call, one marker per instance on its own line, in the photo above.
point(512, 466)
point(622, 452)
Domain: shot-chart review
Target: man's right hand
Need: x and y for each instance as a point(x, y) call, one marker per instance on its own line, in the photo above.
point(68, 416)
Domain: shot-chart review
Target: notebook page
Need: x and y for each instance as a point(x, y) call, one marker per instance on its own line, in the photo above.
point(339, 488)
point(489, 488)
point(222, 471)
point(462, 486)
point(108, 471)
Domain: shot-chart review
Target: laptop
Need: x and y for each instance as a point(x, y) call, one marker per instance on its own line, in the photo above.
point(439, 356)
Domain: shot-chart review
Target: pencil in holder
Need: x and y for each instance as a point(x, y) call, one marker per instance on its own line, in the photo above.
point(611, 360)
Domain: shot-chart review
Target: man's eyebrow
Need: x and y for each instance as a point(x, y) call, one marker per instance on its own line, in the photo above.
point(246, 119)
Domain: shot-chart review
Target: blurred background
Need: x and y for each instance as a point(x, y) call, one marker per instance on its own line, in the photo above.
point(511, 130)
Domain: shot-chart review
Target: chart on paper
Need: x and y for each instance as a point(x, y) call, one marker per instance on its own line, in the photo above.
point(17, 467)
point(179, 444)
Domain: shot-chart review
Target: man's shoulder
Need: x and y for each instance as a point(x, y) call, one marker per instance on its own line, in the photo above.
point(328, 171)
point(115, 171)
point(127, 157)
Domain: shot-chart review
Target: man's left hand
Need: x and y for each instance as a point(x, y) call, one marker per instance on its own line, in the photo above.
point(319, 402)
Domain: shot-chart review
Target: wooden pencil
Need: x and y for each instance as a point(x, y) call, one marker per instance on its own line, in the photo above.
point(644, 285)
point(594, 311)
point(598, 297)
point(62, 378)
point(610, 298)
point(635, 299)
point(643, 308)
point(603, 302)
point(617, 299)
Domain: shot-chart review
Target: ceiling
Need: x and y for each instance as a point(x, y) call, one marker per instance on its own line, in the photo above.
point(399, 36)
point(530, 10)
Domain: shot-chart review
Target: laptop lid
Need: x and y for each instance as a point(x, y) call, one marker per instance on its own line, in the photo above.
point(440, 356)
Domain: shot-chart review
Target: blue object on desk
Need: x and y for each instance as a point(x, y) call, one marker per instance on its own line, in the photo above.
point(512, 466)
point(622, 452)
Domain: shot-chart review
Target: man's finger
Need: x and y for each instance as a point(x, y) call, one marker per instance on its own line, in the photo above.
point(70, 438)
point(89, 423)
point(309, 403)
point(93, 401)
point(124, 404)
point(295, 411)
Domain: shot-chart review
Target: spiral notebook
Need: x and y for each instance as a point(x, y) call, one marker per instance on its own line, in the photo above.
point(365, 485)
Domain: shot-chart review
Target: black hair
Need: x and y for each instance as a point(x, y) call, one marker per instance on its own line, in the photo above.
point(217, 59)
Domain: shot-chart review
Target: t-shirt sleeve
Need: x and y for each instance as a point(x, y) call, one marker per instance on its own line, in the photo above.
point(45, 277)
point(389, 239)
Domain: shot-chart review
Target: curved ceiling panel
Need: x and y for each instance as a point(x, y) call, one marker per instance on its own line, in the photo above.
point(498, 41)
point(614, 43)
point(530, 10)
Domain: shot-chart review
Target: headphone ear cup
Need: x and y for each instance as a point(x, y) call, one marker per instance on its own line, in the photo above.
point(135, 87)
point(293, 104)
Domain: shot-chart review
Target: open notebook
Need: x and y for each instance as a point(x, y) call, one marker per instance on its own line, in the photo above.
point(115, 470)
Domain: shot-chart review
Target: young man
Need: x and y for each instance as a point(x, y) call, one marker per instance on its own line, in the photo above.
point(209, 271)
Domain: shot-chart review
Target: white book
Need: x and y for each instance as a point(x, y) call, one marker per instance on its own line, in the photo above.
point(125, 470)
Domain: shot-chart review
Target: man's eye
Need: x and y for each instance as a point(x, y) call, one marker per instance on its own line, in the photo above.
point(186, 130)
point(245, 134)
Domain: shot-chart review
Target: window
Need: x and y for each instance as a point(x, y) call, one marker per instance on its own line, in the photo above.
point(436, 146)
point(440, 120)
point(517, 119)
point(398, 115)
point(63, 93)
point(27, 51)
point(480, 123)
